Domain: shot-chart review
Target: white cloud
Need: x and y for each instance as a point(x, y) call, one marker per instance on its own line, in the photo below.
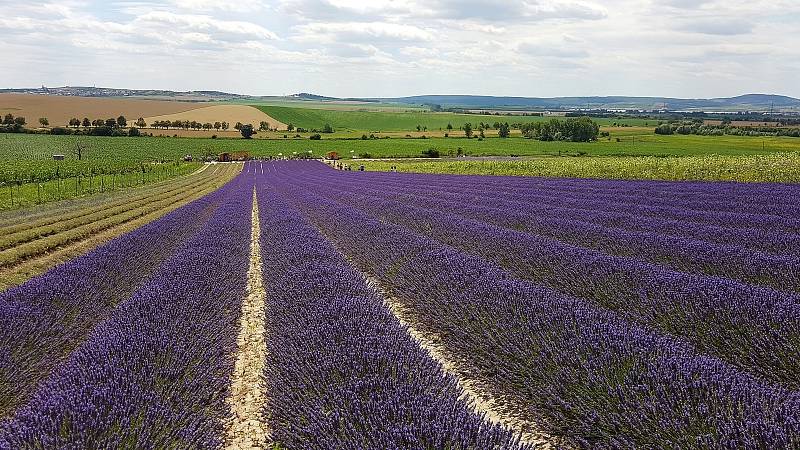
point(397, 47)
point(375, 31)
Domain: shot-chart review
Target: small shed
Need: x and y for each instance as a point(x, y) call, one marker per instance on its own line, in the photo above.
point(58, 157)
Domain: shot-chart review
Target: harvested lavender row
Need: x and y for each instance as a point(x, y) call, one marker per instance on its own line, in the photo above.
point(709, 312)
point(729, 261)
point(156, 373)
point(341, 371)
point(514, 214)
point(586, 374)
point(43, 320)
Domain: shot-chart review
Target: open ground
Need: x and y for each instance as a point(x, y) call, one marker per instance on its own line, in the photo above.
point(60, 109)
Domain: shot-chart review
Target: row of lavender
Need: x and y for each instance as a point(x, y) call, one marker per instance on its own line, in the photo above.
point(774, 209)
point(760, 253)
point(141, 354)
point(131, 346)
point(652, 196)
point(43, 320)
point(756, 329)
point(772, 261)
point(609, 364)
point(341, 372)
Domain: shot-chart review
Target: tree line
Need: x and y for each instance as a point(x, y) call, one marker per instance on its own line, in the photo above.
point(702, 129)
point(582, 129)
point(116, 127)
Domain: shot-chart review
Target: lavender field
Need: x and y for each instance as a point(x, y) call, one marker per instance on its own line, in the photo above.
point(301, 307)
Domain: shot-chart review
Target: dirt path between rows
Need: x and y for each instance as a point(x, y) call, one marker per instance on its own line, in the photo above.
point(247, 429)
point(481, 402)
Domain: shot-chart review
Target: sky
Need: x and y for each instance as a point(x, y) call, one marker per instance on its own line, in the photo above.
point(389, 48)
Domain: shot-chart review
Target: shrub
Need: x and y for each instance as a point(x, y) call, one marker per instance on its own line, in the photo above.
point(101, 131)
point(430, 153)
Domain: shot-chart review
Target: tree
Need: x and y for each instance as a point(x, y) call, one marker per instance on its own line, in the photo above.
point(238, 126)
point(290, 127)
point(581, 129)
point(467, 130)
point(247, 131)
point(44, 122)
point(141, 123)
point(504, 130)
point(263, 126)
point(217, 125)
point(111, 123)
point(79, 148)
point(449, 127)
point(19, 120)
point(419, 127)
point(122, 122)
point(74, 122)
point(225, 125)
point(133, 132)
point(664, 129)
point(8, 119)
point(86, 122)
point(327, 128)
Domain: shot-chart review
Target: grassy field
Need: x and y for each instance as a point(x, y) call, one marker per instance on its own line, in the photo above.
point(778, 167)
point(22, 153)
point(368, 121)
point(34, 240)
point(332, 105)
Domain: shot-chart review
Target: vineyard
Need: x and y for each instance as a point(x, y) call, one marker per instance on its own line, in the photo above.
point(302, 307)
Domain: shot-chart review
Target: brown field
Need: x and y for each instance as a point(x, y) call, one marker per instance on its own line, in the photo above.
point(221, 113)
point(59, 109)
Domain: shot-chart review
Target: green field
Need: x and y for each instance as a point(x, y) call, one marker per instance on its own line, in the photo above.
point(24, 154)
point(331, 105)
point(368, 121)
point(778, 167)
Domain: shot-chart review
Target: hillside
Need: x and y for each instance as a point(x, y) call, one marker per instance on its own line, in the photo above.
point(748, 102)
